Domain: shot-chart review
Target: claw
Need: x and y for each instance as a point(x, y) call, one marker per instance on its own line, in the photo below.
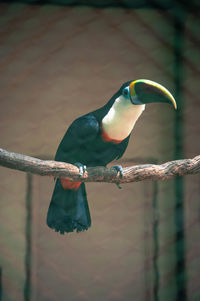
point(120, 170)
point(82, 168)
point(118, 185)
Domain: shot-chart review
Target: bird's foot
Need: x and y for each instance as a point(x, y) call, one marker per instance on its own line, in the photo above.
point(82, 168)
point(118, 185)
point(119, 169)
point(121, 172)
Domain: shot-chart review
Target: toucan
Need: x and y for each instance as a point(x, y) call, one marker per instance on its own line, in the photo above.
point(96, 139)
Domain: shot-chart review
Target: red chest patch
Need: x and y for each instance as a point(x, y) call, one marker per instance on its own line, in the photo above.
point(106, 138)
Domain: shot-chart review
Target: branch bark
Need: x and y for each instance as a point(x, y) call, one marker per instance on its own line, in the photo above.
point(135, 173)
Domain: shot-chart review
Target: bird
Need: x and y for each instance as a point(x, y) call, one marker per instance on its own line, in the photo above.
point(96, 139)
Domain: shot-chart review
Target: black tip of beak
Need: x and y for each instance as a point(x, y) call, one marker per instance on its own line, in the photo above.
point(146, 91)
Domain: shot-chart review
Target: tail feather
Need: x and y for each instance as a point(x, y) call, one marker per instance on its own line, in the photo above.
point(68, 210)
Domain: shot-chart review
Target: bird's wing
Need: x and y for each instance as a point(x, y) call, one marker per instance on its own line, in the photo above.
point(81, 132)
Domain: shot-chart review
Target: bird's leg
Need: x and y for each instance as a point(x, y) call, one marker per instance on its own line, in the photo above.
point(82, 168)
point(119, 169)
point(121, 172)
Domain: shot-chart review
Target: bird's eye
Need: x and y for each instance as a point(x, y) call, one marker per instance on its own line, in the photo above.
point(125, 92)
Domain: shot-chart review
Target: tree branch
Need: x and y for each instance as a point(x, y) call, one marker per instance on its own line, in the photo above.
point(135, 173)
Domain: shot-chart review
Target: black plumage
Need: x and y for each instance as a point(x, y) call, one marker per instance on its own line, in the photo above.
point(68, 210)
point(90, 144)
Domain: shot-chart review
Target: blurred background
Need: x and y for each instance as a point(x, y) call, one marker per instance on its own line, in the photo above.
point(60, 60)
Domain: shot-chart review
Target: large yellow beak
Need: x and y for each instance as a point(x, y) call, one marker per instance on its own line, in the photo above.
point(143, 91)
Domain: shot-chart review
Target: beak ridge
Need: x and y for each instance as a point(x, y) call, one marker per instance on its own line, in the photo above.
point(145, 91)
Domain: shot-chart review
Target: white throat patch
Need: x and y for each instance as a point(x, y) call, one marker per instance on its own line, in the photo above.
point(121, 118)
